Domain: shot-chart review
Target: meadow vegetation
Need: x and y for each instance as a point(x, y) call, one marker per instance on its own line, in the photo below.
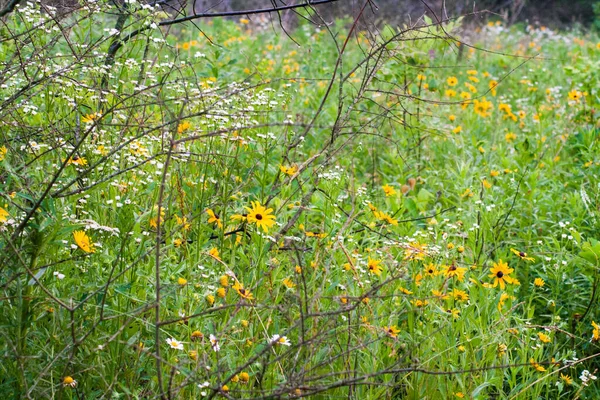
point(215, 209)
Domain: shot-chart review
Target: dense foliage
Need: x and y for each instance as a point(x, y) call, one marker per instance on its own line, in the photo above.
point(229, 211)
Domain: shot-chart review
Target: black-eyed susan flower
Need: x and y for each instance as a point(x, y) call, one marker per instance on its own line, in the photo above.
point(392, 331)
point(453, 270)
point(196, 336)
point(89, 118)
point(374, 267)
point(431, 270)
point(522, 255)
point(76, 160)
point(214, 218)
point(244, 293)
point(261, 216)
point(575, 95)
point(501, 274)
point(83, 242)
point(460, 295)
point(452, 81)
point(221, 292)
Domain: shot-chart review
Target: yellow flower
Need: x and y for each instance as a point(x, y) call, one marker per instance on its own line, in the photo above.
point(287, 282)
point(575, 95)
point(244, 377)
point(291, 170)
point(544, 338)
point(500, 274)
point(388, 190)
point(522, 255)
point(83, 242)
point(391, 331)
point(431, 270)
point(181, 281)
point(460, 395)
point(196, 335)
point(221, 292)
point(509, 137)
point(415, 251)
point(212, 217)
point(244, 293)
point(494, 173)
point(566, 379)
point(452, 81)
point(539, 282)
point(260, 216)
point(210, 299)
point(595, 332)
point(457, 130)
point(3, 214)
point(2, 152)
point(537, 366)
point(224, 281)
point(374, 267)
point(214, 253)
point(460, 295)
point(453, 270)
point(405, 291)
point(89, 118)
point(184, 126)
point(438, 294)
point(69, 381)
point(77, 161)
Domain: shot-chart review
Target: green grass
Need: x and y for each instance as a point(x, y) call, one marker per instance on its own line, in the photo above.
point(192, 121)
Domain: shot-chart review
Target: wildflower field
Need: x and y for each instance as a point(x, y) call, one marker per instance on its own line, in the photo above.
point(220, 209)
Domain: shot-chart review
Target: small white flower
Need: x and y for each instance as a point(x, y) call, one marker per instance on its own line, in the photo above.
point(283, 340)
point(214, 343)
point(59, 275)
point(175, 344)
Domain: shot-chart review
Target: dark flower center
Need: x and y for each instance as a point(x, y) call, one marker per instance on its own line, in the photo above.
point(259, 217)
point(452, 268)
point(499, 274)
point(430, 271)
point(242, 291)
point(521, 254)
